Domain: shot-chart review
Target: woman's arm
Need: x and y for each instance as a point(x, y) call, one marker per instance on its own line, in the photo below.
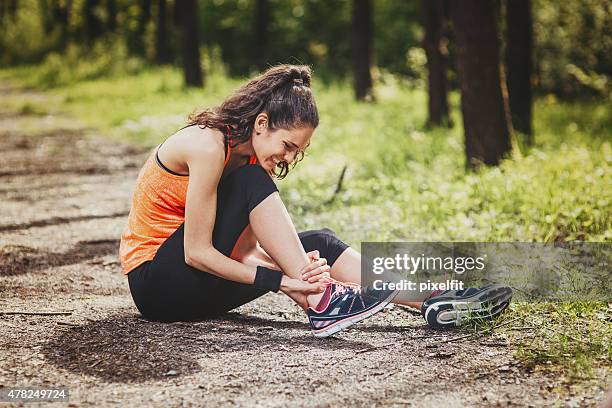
point(205, 162)
point(257, 256)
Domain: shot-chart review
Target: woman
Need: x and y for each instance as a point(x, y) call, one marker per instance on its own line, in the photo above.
point(208, 231)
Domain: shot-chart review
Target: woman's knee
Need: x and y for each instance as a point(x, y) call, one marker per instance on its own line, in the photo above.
point(325, 240)
point(322, 234)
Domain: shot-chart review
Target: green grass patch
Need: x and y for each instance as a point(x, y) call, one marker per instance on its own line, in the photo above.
point(568, 338)
point(572, 336)
point(28, 108)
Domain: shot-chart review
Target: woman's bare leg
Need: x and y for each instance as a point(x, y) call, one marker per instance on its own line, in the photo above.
point(276, 234)
point(347, 268)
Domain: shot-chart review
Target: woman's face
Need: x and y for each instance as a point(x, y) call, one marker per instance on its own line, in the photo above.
point(273, 147)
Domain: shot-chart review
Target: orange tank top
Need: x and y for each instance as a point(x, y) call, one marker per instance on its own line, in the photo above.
point(158, 209)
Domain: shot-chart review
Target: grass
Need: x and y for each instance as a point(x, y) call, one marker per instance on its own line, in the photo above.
point(571, 338)
point(404, 182)
point(572, 335)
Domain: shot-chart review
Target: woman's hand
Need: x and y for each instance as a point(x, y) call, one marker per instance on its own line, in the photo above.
point(317, 270)
point(299, 290)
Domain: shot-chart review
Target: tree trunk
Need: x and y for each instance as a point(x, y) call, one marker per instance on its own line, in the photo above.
point(176, 13)
point(191, 51)
point(485, 120)
point(111, 10)
point(519, 64)
point(362, 48)
point(260, 33)
point(61, 16)
point(141, 29)
point(93, 25)
point(436, 53)
point(45, 16)
point(13, 5)
point(163, 55)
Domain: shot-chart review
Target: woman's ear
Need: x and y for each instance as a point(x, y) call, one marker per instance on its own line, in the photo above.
point(261, 122)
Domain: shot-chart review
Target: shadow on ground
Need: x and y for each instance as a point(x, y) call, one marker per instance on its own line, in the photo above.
point(19, 259)
point(131, 349)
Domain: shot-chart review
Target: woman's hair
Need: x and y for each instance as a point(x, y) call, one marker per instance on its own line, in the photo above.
point(283, 92)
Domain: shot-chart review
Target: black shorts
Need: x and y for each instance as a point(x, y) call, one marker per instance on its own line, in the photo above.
point(167, 289)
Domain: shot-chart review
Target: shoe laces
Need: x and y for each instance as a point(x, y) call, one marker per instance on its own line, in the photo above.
point(344, 287)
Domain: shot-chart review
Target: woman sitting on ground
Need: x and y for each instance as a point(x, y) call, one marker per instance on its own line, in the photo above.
point(208, 231)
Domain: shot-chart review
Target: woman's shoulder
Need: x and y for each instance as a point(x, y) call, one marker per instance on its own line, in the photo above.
point(196, 137)
point(195, 141)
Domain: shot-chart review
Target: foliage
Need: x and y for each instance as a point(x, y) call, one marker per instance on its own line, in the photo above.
point(408, 183)
point(397, 37)
point(24, 39)
point(81, 63)
point(572, 50)
point(573, 46)
point(294, 34)
point(403, 181)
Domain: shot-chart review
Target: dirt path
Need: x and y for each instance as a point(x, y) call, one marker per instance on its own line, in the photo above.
point(64, 196)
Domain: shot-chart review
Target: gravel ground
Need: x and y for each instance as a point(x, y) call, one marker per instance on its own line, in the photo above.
point(65, 194)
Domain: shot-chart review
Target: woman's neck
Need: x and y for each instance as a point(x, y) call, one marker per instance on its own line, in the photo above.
point(243, 149)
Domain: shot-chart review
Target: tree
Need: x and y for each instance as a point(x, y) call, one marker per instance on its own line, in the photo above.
point(519, 64)
point(435, 50)
point(141, 27)
point(163, 53)
point(61, 14)
point(176, 13)
point(111, 11)
point(93, 25)
point(45, 16)
point(191, 48)
point(362, 48)
point(13, 5)
point(486, 121)
point(260, 33)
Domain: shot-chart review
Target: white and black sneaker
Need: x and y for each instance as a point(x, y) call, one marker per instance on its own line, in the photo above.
point(455, 307)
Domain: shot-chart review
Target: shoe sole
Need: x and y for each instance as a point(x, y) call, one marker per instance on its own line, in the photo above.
point(348, 322)
point(483, 305)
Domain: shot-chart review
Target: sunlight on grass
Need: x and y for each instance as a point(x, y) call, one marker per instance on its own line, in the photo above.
point(403, 182)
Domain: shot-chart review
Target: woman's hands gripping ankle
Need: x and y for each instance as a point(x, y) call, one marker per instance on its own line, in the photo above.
point(307, 290)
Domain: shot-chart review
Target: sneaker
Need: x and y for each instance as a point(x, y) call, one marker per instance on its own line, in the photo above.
point(453, 307)
point(343, 305)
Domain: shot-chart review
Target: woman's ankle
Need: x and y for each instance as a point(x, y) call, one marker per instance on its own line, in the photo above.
point(314, 300)
point(415, 305)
